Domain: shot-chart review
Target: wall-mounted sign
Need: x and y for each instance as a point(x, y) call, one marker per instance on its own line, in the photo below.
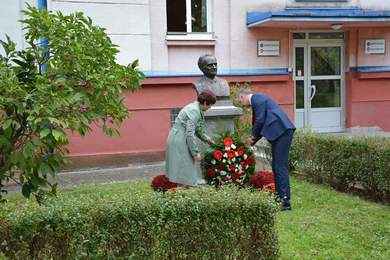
point(375, 46)
point(268, 48)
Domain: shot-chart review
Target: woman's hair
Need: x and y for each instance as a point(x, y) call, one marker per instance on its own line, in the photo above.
point(208, 97)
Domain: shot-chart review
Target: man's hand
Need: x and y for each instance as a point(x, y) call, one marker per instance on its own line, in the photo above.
point(197, 157)
point(249, 141)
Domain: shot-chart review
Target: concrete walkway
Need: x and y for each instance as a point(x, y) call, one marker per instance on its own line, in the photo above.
point(135, 171)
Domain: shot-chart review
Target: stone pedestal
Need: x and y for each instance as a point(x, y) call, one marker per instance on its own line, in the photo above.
point(220, 117)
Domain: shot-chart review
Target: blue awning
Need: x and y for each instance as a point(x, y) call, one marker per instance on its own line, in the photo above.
point(347, 15)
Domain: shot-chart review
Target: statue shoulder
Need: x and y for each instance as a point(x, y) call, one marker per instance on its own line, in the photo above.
point(200, 85)
point(200, 81)
point(222, 81)
point(224, 89)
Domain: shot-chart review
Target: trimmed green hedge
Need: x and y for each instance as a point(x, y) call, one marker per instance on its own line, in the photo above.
point(199, 223)
point(345, 163)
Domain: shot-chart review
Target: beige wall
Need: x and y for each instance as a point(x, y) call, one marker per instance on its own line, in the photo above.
point(139, 28)
point(126, 21)
point(10, 14)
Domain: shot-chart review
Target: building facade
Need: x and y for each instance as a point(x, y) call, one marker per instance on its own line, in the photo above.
point(326, 62)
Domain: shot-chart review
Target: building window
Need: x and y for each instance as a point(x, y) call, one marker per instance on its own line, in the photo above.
point(318, 35)
point(299, 36)
point(326, 35)
point(188, 16)
point(174, 113)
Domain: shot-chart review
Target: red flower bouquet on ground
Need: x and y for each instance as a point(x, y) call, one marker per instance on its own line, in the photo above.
point(263, 180)
point(162, 183)
point(229, 162)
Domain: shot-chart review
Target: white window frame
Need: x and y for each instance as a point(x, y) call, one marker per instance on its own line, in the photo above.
point(189, 35)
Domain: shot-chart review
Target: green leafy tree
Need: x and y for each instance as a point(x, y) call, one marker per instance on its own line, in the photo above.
point(49, 90)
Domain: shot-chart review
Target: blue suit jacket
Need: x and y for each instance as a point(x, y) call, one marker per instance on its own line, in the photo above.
point(269, 120)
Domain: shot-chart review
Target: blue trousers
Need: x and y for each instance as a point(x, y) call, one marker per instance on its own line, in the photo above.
point(280, 151)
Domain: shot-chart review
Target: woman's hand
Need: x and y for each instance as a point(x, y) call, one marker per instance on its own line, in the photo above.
point(197, 157)
point(211, 142)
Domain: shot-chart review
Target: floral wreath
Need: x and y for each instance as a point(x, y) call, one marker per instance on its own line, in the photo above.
point(228, 162)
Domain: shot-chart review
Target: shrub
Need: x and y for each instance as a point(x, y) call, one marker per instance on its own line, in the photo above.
point(202, 223)
point(345, 163)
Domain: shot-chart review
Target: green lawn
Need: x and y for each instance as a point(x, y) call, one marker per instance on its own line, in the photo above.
point(324, 224)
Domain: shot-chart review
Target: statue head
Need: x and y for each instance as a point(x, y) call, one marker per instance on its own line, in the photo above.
point(208, 65)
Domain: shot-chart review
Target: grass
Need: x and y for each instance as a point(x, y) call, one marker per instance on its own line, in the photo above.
point(324, 224)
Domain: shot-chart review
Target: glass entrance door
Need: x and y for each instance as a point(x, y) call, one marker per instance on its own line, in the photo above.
point(318, 79)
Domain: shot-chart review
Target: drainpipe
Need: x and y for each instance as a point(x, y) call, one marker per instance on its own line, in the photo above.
point(43, 43)
point(42, 5)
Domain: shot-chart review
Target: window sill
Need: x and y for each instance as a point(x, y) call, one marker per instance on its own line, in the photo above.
point(203, 39)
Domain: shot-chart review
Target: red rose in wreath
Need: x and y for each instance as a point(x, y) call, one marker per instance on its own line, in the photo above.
point(241, 151)
point(232, 167)
point(250, 160)
point(231, 154)
point(218, 155)
point(235, 176)
point(228, 141)
point(211, 172)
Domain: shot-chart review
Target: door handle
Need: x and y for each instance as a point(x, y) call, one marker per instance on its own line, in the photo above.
point(313, 91)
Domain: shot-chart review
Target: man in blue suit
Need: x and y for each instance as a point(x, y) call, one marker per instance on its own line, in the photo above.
point(270, 121)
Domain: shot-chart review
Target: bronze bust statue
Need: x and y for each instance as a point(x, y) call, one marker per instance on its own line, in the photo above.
point(208, 65)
